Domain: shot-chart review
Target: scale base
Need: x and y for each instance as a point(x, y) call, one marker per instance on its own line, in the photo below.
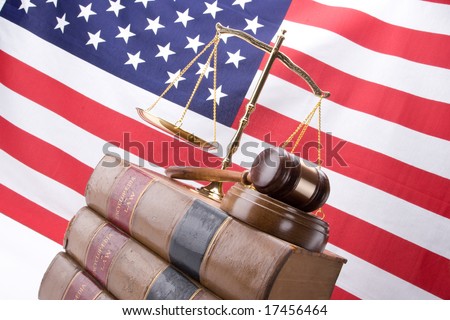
point(212, 191)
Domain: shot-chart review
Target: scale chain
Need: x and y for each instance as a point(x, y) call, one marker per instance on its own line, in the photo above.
point(186, 68)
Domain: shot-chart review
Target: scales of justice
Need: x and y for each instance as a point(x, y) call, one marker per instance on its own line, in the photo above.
point(280, 191)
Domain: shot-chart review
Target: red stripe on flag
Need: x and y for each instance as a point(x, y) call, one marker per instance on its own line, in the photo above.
point(44, 157)
point(423, 115)
point(32, 215)
point(438, 1)
point(409, 183)
point(389, 252)
point(340, 294)
point(427, 48)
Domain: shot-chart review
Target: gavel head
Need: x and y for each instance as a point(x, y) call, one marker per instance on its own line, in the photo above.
point(291, 179)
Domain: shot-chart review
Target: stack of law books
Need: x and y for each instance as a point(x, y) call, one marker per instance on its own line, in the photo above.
point(142, 235)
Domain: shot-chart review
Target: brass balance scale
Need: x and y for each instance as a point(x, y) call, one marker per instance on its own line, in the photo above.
point(275, 199)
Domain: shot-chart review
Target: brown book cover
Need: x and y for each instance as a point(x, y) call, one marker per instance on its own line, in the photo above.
point(230, 258)
point(67, 280)
point(122, 265)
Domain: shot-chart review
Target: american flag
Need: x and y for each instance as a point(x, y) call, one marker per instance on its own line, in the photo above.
point(73, 72)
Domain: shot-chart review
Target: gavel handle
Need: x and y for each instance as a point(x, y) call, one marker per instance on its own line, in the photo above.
point(207, 174)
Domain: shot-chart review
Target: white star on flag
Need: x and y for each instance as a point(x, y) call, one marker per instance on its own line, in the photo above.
point(144, 2)
point(234, 58)
point(253, 25)
point(134, 59)
point(86, 12)
point(61, 23)
point(125, 33)
point(172, 77)
point(115, 7)
point(212, 9)
point(194, 43)
point(95, 39)
point(219, 94)
point(154, 25)
point(201, 67)
point(26, 4)
point(165, 52)
point(55, 2)
point(241, 3)
point(183, 17)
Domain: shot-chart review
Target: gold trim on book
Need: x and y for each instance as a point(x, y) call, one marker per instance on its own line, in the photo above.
point(279, 264)
point(97, 295)
point(150, 286)
point(117, 253)
point(211, 244)
point(195, 293)
point(91, 240)
point(125, 167)
point(138, 199)
point(70, 283)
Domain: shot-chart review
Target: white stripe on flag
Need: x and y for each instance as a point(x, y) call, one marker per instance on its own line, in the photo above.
point(382, 285)
point(35, 119)
point(39, 188)
point(26, 256)
point(384, 69)
point(418, 15)
point(390, 213)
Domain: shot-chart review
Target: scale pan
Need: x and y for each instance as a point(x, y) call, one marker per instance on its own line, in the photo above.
point(173, 129)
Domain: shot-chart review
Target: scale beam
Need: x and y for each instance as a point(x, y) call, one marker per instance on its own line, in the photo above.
point(279, 55)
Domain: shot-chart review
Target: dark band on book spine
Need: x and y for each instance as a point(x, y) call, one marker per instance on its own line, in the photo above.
point(171, 285)
point(125, 195)
point(192, 236)
point(82, 288)
point(102, 250)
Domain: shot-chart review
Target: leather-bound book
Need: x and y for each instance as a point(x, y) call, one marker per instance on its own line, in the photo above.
point(122, 265)
point(227, 256)
point(65, 279)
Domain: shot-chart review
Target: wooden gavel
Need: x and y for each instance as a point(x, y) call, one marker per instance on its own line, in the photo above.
point(274, 172)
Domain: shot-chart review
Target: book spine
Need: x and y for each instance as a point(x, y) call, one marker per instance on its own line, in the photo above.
point(123, 266)
point(190, 231)
point(67, 280)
